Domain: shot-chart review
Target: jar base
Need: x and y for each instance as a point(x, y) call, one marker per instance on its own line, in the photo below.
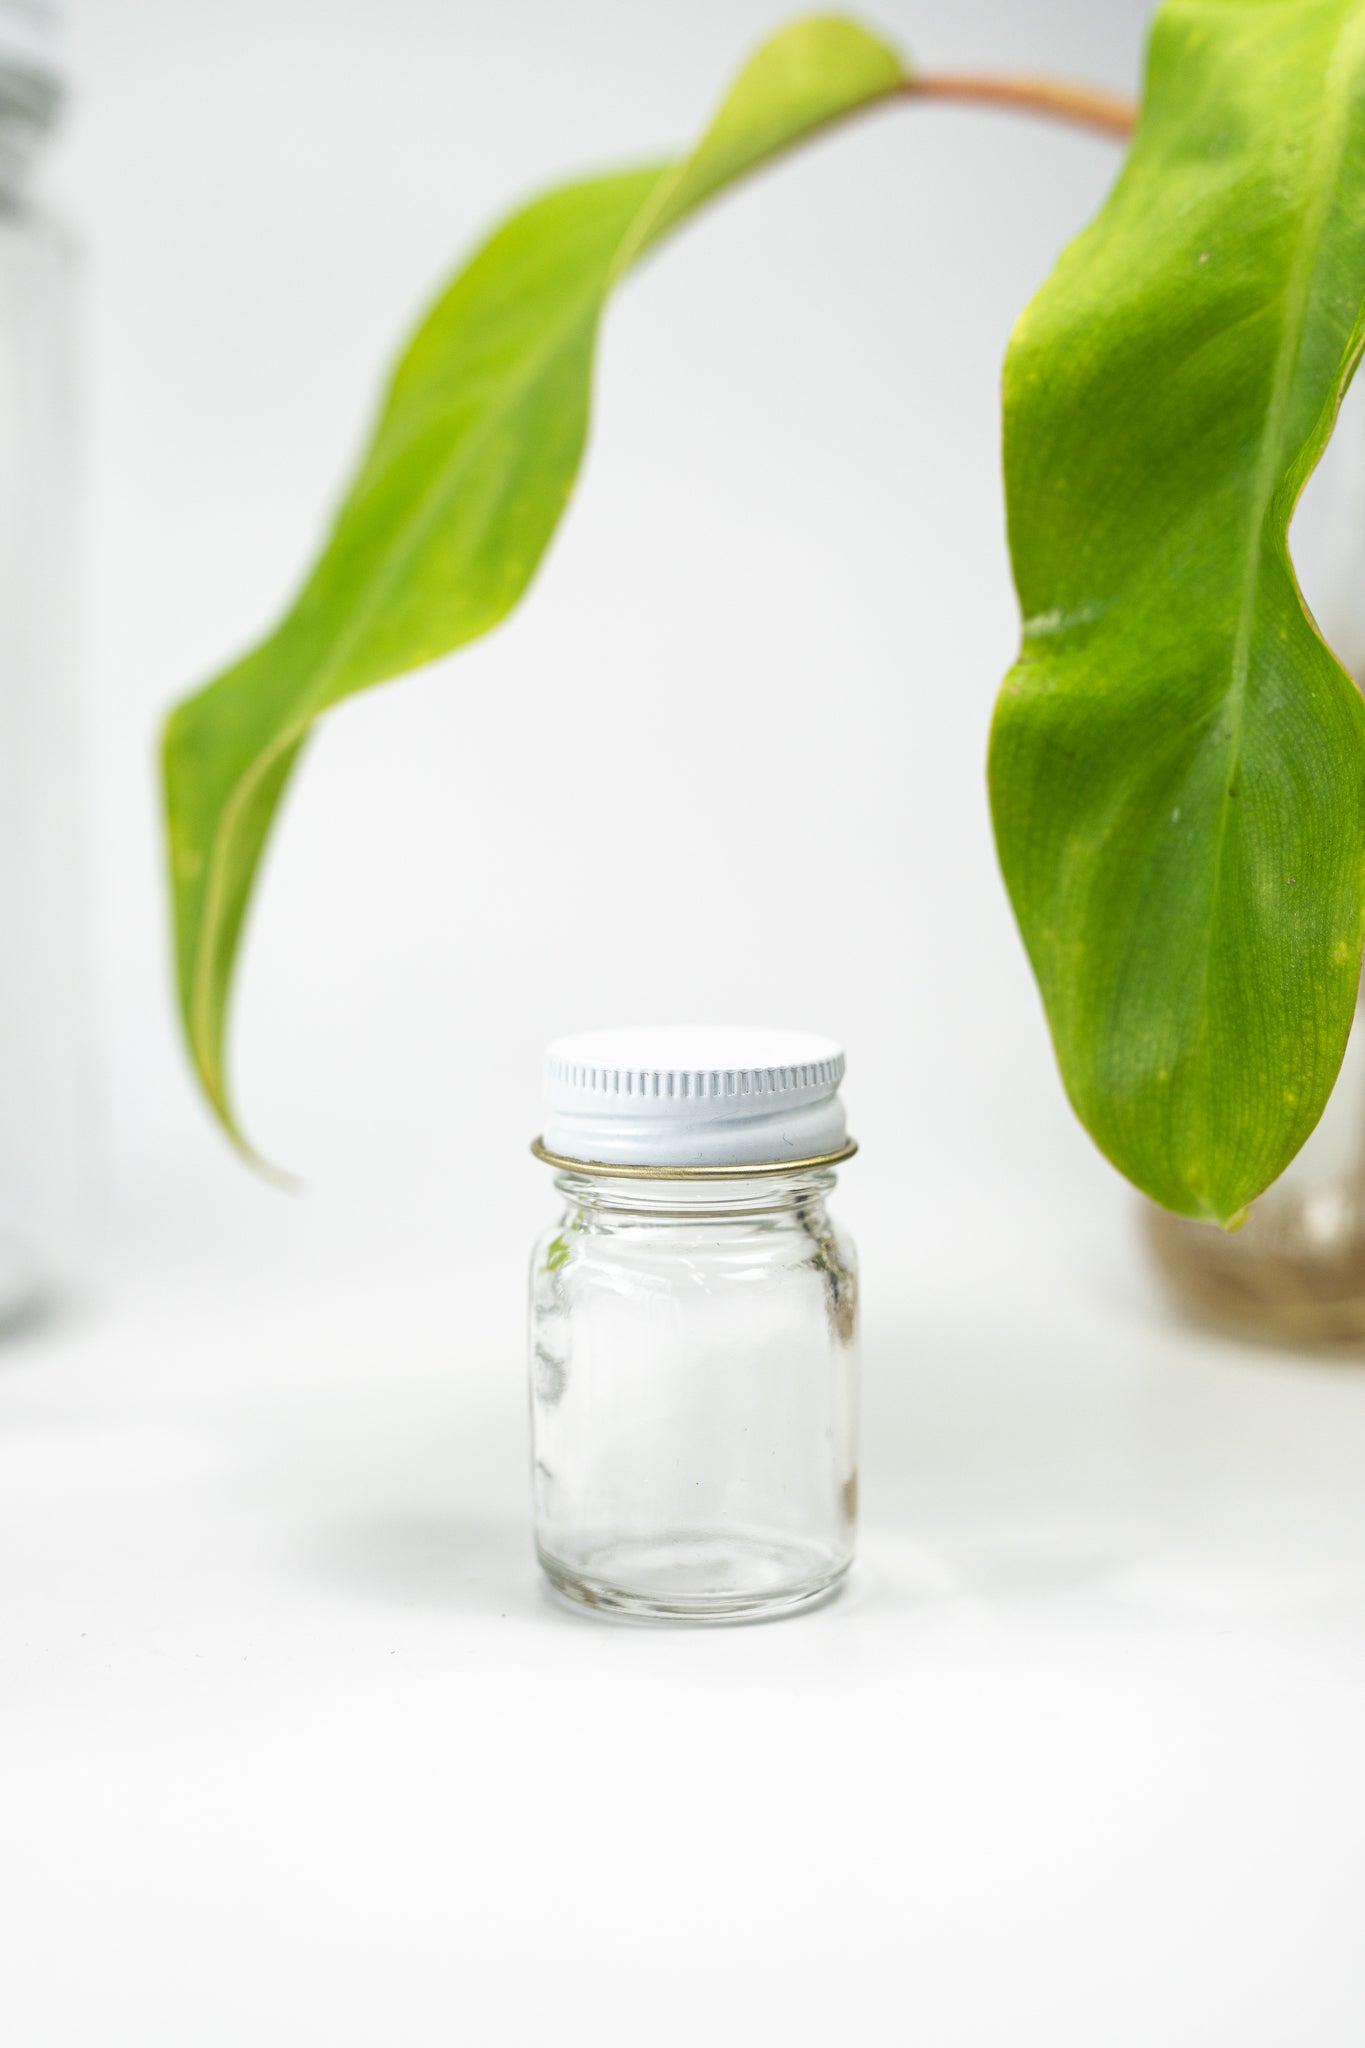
point(707, 1578)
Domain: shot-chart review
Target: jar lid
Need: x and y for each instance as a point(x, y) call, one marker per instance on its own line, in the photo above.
point(693, 1098)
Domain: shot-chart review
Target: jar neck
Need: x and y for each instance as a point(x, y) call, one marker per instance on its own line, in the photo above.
point(774, 1195)
point(28, 108)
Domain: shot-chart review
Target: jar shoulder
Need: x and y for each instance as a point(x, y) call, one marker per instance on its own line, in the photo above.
point(579, 1249)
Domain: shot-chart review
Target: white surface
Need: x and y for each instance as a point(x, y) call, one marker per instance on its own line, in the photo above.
point(693, 1096)
point(293, 1749)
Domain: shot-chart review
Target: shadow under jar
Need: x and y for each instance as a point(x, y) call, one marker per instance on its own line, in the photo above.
point(693, 1327)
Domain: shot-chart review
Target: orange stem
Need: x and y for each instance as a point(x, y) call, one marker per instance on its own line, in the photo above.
point(1089, 105)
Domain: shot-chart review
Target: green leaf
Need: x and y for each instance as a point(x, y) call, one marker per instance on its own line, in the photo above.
point(1178, 762)
point(471, 464)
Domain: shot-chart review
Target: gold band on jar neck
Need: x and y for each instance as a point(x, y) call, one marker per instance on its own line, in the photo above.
point(749, 1170)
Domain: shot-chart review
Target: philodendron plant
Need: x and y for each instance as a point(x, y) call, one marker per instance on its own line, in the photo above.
point(1177, 762)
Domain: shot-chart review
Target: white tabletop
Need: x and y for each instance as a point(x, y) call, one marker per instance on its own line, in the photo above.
point(296, 1747)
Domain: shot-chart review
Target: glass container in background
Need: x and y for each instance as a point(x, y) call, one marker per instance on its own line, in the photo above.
point(693, 1327)
point(1295, 1271)
point(41, 897)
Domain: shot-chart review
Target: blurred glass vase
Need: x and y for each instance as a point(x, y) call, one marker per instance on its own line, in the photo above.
point(40, 892)
point(1295, 1270)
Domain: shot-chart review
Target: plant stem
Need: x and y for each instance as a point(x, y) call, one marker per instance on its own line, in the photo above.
point(1058, 97)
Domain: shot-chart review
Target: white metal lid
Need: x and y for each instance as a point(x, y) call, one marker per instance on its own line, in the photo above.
point(693, 1097)
point(31, 38)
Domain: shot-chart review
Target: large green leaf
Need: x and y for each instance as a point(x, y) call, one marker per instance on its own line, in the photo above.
point(472, 461)
point(1178, 762)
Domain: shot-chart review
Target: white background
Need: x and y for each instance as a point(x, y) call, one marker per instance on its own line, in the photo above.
point(295, 1749)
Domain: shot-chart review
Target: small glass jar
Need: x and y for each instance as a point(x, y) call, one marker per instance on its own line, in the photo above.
point(693, 1327)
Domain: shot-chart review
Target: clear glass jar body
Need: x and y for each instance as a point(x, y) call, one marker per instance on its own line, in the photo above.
point(41, 897)
point(694, 1396)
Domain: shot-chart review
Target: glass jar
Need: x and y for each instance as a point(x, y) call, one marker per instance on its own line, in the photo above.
point(693, 1327)
point(41, 898)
